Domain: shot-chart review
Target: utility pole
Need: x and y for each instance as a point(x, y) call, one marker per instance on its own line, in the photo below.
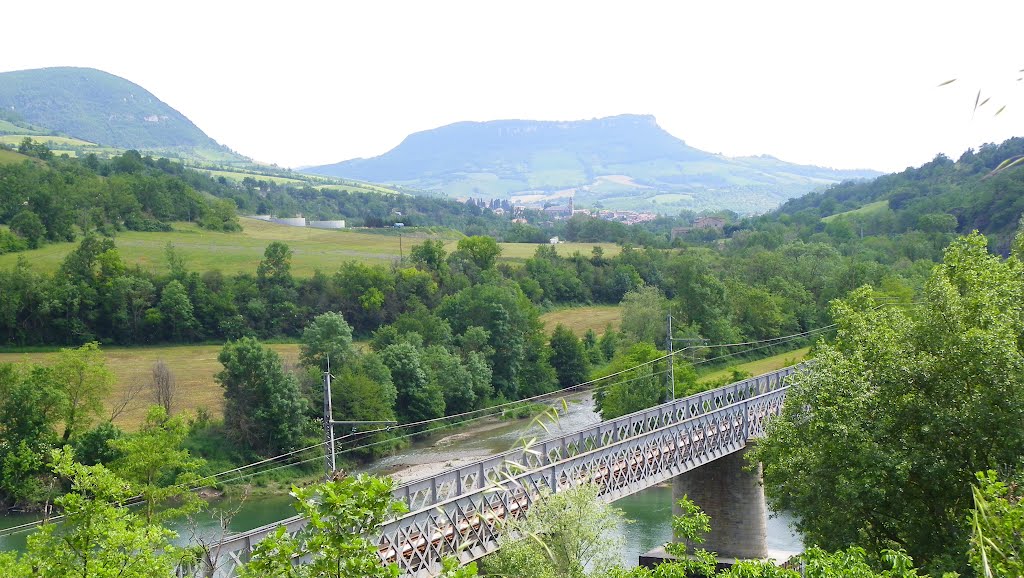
point(671, 368)
point(328, 426)
point(329, 451)
point(669, 348)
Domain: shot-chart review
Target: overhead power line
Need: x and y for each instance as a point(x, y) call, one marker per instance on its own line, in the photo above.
point(454, 420)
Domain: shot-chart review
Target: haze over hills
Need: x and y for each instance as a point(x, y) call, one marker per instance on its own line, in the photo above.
point(100, 108)
point(620, 162)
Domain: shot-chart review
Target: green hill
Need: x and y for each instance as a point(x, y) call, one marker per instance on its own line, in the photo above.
point(100, 108)
point(939, 196)
point(621, 162)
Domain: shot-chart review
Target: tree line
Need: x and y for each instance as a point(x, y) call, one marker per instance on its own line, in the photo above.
point(750, 288)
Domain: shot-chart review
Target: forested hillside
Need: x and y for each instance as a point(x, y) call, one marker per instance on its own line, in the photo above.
point(44, 198)
point(940, 196)
point(98, 107)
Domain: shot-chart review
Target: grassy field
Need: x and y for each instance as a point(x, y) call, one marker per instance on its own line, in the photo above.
point(8, 157)
point(580, 319)
point(240, 176)
point(761, 365)
point(876, 207)
point(315, 181)
point(354, 187)
point(15, 139)
point(8, 127)
point(193, 366)
point(237, 252)
point(523, 251)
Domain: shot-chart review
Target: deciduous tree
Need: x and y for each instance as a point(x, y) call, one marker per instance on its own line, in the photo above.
point(83, 377)
point(263, 406)
point(568, 357)
point(892, 421)
point(158, 468)
point(327, 337)
point(418, 397)
point(97, 537)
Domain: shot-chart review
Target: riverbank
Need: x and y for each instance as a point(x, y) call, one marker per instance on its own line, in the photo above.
point(449, 447)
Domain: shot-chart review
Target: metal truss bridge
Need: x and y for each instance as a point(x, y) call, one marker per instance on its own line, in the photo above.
point(459, 512)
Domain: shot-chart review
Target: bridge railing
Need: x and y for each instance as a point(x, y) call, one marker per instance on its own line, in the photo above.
point(474, 476)
point(667, 442)
point(442, 508)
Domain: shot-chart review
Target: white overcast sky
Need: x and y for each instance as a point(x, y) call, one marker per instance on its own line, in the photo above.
point(840, 84)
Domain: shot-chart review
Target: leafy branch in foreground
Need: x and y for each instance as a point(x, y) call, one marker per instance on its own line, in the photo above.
point(997, 521)
point(97, 537)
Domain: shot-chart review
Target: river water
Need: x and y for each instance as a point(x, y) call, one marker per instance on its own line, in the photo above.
point(647, 515)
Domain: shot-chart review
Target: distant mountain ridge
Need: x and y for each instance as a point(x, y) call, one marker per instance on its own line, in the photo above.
point(101, 108)
point(624, 161)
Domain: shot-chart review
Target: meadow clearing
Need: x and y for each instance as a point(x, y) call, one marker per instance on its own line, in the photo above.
point(580, 319)
point(193, 367)
point(760, 366)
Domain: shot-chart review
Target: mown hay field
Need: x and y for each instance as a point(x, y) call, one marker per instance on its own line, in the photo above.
point(313, 249)
point(193, 367)
point(580, 319)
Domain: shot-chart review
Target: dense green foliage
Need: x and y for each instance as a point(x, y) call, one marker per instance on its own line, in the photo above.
point(340, 513)
point(938, 197)
point(97, 536)
point(997, 523)
point(568, 357)
point(34, 401)
point(894, 418)
point(262, 404)
point(327, 339)
point(157, 468)
point(639, 383)
point(568, 534)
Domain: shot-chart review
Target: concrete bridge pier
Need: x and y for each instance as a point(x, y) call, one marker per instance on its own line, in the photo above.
point(734, 498)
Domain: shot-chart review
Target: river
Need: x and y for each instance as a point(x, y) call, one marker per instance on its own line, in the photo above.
point(647, 515)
